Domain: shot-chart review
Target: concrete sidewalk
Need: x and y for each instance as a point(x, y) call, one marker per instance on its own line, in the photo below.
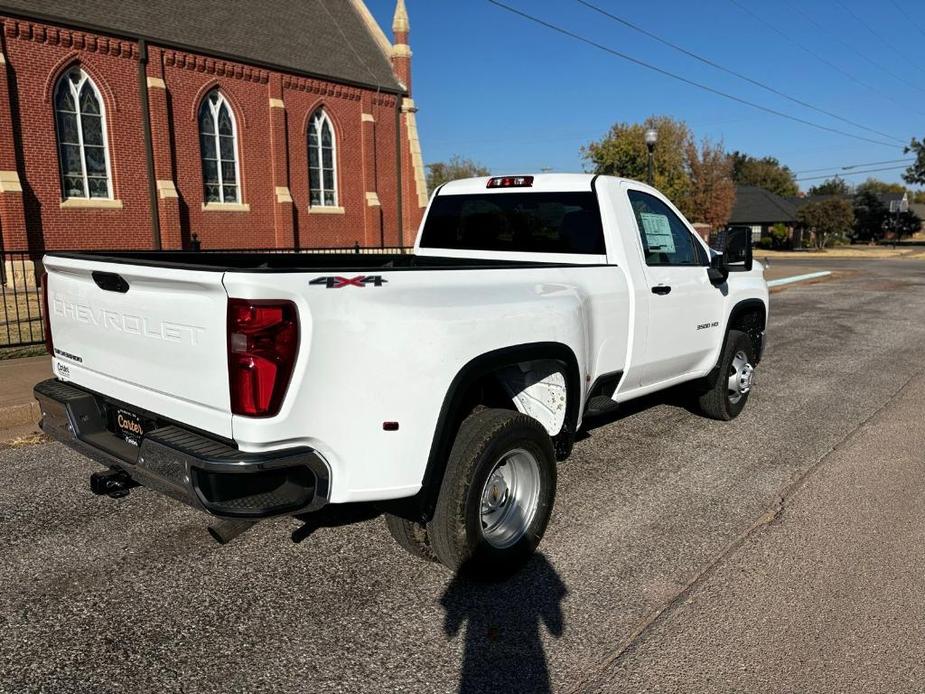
point(18, 410)
point(829, 596)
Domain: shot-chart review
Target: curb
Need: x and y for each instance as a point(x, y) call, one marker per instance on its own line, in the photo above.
point(19, 415)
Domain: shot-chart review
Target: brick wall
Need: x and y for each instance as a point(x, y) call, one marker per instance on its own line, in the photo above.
point(271, 111)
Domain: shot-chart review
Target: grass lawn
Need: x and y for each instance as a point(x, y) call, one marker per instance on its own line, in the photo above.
point(914, 252)
point(20, 319)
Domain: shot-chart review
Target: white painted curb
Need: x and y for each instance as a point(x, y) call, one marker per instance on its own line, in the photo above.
point(798, 278)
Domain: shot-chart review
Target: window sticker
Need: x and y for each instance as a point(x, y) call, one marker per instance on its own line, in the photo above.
point(657, 229)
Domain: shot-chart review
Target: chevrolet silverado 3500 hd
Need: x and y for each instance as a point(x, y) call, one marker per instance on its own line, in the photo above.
point(438, 388)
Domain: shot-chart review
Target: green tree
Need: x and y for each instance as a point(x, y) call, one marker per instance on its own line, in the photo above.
point(833, 186)
point(441, 172)
point(915, 174)
point(878, 187)
point(826, 219)
point(767, 173)
point(622, 152)
point(917, 196)
point(870, 214)
point(906, 224)
point(780, 237)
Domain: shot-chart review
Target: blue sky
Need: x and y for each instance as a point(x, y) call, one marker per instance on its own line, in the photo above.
point(516, 96)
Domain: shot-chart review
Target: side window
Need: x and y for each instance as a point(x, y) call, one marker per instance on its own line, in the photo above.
point(666, 240)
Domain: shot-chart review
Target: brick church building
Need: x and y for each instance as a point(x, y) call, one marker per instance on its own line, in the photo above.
point(131, 124)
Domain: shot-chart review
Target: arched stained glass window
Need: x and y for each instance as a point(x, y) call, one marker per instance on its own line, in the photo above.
point(218, 141)
point(80, 120)
point(322, 161)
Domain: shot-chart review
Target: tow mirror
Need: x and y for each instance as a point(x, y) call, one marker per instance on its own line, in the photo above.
point(734, 246)
point(738, 249)
point(718, 271)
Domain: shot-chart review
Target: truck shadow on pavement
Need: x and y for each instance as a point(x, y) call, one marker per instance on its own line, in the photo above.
point(677, 397)
point(503, 642)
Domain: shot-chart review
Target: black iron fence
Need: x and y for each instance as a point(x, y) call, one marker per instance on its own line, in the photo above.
point(21, 321)
point(21, 303)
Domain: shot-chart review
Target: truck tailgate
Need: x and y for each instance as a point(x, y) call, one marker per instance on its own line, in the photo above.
point(152, 337)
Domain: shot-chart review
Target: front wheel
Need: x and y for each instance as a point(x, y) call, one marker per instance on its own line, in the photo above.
point(726, 399)
point(497, 494)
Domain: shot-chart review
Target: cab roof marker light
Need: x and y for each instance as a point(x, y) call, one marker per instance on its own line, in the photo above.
point(510, 182)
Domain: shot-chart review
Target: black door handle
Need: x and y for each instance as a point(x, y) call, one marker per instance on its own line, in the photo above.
point(661, 289)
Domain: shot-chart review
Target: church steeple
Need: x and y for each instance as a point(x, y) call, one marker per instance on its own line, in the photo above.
point(400, 20)
point(401, 50)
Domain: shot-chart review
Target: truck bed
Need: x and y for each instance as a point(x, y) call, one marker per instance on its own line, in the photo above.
point(292, 262)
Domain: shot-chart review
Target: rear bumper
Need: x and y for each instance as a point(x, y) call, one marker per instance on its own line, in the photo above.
point(202, 472)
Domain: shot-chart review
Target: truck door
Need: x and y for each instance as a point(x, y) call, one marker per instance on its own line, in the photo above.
point(685, 311)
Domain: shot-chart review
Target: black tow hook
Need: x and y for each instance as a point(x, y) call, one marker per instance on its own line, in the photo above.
point(224, 531)
point(113, 483)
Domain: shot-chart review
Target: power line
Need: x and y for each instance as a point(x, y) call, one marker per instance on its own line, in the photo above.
point(875, 33)
point(851, 47)
point(824, 60)
point(730, 71)
point(854, 166)
point(908, 17)
point(699, 85)
point(852, 173)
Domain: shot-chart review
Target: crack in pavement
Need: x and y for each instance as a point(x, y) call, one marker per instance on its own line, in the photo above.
point(771, 515)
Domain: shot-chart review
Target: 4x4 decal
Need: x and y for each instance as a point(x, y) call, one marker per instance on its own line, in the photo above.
point(358, 281)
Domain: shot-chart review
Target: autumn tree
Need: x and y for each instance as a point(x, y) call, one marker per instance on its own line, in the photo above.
point(832, 186)
point(622, 152)
point(711, 193)
point(826, 219)
point(441, 172)
point(766, 172)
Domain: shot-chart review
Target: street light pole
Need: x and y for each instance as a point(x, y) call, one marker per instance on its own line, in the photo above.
point(651, 139)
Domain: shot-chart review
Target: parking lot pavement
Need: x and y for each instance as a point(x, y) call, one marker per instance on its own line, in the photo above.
point(829, 597)
point(101, 595)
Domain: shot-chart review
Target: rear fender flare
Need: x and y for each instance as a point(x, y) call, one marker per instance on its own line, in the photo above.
point(451, 412)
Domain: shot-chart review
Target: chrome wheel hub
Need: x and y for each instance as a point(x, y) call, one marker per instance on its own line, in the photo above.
point(510, 498)
point(741, 377)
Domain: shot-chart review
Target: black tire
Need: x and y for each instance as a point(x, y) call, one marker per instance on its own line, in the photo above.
point(716, 403)
point(411, 536)
point(456, 531)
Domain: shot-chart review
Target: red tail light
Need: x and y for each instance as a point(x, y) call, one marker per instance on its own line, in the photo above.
point(263, 339)
point(46, 315)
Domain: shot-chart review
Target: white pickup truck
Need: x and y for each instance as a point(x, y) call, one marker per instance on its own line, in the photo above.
point(438, 387)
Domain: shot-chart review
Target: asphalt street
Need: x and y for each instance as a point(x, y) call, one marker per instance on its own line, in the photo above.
point(655, 505)
point(829, 596)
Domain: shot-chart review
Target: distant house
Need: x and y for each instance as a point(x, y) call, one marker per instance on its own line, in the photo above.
point(895, 202)
point(761, 209)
